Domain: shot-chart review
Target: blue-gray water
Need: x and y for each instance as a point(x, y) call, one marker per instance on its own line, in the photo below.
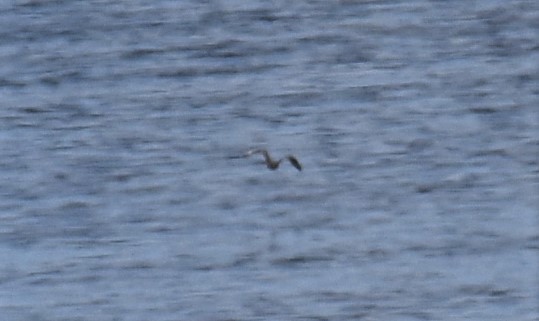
point(122, 196)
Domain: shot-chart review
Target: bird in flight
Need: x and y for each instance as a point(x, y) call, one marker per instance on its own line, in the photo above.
point(274, 164)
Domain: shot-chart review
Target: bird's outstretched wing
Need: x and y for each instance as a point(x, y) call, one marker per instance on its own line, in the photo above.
point(253, 151)
point(294, 161)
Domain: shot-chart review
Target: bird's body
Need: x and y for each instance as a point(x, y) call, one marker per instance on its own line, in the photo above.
point(274, 164)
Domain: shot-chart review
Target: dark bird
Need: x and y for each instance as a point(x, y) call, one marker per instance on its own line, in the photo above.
point(274, 164)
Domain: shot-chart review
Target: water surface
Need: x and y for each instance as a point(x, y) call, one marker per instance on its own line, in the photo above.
point(122, 196)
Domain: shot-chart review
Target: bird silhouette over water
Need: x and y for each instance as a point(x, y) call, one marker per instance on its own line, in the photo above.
point(274, 164)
